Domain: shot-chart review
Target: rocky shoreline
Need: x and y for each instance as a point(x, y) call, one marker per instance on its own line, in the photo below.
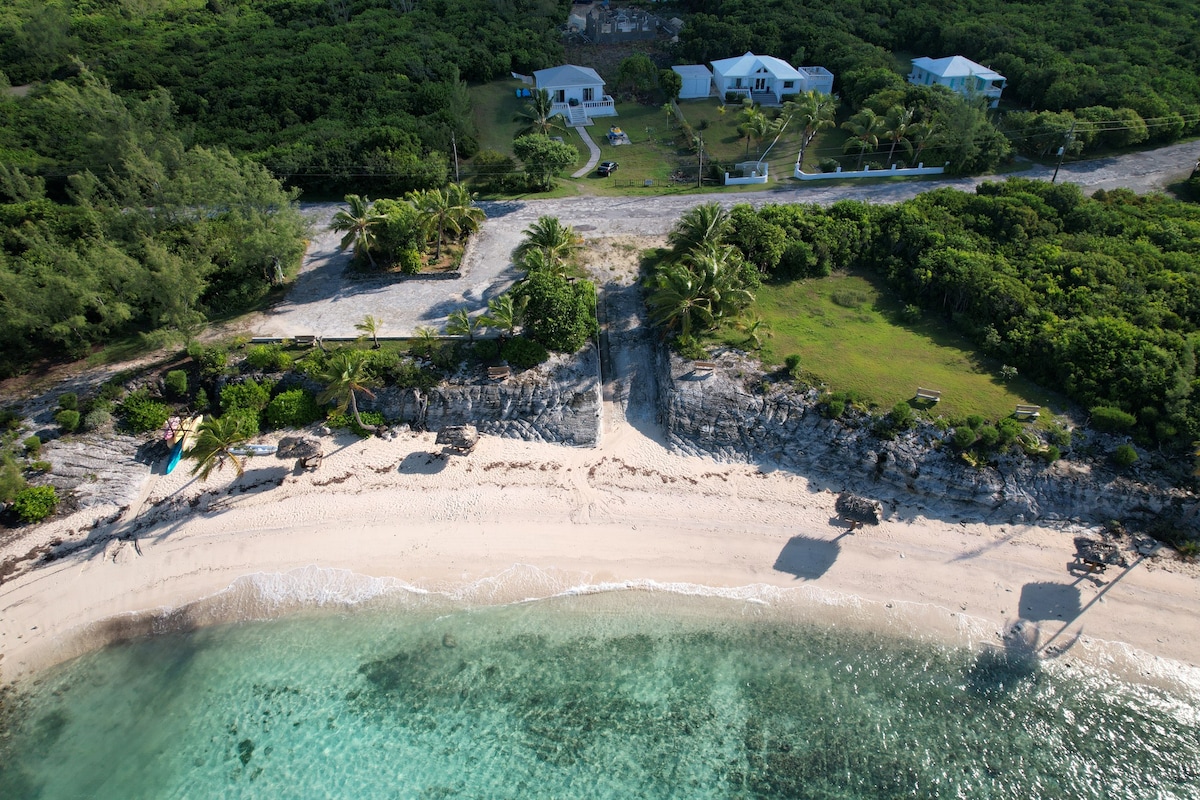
point(714, 413)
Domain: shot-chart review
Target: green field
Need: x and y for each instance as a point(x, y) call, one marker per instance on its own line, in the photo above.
point(849, 335)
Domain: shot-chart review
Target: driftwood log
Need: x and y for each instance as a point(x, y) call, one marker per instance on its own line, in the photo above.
point(859, 509)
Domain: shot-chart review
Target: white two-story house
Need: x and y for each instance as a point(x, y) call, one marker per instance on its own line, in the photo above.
point(958, 74)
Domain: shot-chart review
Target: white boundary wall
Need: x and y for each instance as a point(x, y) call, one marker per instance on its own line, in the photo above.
point(894, 172)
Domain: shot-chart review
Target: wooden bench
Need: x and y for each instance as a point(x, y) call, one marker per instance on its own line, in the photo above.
point(932, 395)
point(1027, 411)
point(306, 341)
point(703, 366)
point(498, 373)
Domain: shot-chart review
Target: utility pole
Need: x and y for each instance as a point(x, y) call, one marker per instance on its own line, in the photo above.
point(454, 144)
point(1062, 151)
point(700, 163)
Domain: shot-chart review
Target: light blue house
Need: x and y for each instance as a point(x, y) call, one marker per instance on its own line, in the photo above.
point(958, 74)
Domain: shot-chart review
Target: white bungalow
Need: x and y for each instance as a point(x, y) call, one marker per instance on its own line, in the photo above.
point(766, 79)
point(958, 74)
point(577, 93)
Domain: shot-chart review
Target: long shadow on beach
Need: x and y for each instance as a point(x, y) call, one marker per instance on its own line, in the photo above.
point(1046, 601)
point(807, 558)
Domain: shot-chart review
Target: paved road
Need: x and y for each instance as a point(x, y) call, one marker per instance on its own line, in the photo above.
point(324, 302)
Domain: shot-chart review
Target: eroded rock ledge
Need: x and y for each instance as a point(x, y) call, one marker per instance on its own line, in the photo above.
point(727, 414)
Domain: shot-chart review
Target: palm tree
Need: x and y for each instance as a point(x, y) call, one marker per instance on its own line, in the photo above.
point(461, 323)
point(359, 223)
point(679, 300)
point(557, 242)
point(815, 112)
point(756, 330)
point(718, 267)
point(864, 127)
point(538, 115)
point(920, 136)
point(897, 124)
point(344, 375)
point(370, 327)
point(505, 314)
point(706, 224)
point(215, 441)
point(446, 210)
point(755, 126)
point(427, 339)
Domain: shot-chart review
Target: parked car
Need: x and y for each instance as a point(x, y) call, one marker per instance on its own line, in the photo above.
point(606, 168)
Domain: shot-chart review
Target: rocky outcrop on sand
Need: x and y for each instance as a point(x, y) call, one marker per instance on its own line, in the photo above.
point(558, 402)
point(734, 413)
point(98, 469)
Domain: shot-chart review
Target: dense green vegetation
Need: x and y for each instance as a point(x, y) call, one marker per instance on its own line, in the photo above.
point(1096, 297)
point(366, 96)
point(143, 232)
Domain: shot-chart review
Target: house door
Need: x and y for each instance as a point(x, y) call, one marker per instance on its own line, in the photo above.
point(560, 96)
point(760, 84)
point(589, 94)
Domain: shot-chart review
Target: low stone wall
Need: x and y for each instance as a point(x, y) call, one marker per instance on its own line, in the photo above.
point(558, 402)
point(728, 415)
point(892, 172)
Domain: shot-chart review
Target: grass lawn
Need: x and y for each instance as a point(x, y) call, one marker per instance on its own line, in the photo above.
point(848, 333)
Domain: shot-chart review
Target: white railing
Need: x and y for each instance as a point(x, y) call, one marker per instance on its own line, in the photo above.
point(867, 172)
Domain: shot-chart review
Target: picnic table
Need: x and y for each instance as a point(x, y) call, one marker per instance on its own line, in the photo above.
point(1094, 555)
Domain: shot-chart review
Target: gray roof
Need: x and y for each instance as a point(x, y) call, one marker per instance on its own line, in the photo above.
point(693, 71)
point(567, 75)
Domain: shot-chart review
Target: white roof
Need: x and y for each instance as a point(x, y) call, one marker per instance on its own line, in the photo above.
point(693, 71)
point(748, 64)
point(956, 67)
point(567, 75)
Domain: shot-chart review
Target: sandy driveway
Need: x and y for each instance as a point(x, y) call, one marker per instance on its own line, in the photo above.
point(326, 303)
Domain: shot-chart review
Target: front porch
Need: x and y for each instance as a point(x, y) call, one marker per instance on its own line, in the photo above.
point(582, 112)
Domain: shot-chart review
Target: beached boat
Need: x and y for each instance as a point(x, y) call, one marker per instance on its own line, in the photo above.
point(254, 450)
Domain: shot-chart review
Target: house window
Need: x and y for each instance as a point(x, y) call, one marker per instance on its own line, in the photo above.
point(789, 84)
point(737, 84)
point(588, 94)
point(560, 96)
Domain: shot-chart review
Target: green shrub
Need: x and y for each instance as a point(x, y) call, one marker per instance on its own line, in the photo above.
point(269, 358)
point(989, 437)
point(97, 419)
point(141, 414)
point(1051, 454)
point(201, 400)
point(1124, 455)
point(848, 298)
point(911, 313)
point(294, 408)
point(792, 364)
point(111, 391)
point(974, 421)
point(212, 361)
point(41, 466)
point(1189, 549)
point(35, 503)
point(33, 446)
point(249, 421)
point(689, 347)
point(68, 401)
point(1113, 420)
point(176, 383)
point(901, 417)
point(522, 353)
point(9, 420)
point(248, 394)
point(1009, 430)
point(835, 407)
point(67, 419)
point(407, 374)
point(380, 363)
point(964, 437)
point(1059, 435)
point(11, 479)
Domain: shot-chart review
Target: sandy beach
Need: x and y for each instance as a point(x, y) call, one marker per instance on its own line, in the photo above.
point(515, 520)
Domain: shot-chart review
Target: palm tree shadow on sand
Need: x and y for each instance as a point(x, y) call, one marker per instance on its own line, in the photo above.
point(807, 558)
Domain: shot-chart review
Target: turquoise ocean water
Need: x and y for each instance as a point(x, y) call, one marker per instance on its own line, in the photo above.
point(626, 694)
